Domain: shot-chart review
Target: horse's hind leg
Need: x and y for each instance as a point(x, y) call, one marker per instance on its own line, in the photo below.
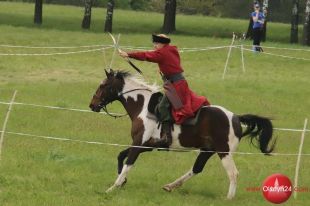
point(197, 168)
point(232, 172)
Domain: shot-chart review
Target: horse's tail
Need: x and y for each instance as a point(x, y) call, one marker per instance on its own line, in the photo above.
point(259, 128)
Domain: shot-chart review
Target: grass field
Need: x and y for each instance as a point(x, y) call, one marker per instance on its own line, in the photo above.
point(36, 171)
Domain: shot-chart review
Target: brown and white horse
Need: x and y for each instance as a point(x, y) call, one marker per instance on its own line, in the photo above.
point(216, 131)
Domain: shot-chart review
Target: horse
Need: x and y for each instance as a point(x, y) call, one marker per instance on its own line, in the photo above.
point(217, 130)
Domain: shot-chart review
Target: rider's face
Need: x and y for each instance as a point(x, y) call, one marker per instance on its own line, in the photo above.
point(157, 45)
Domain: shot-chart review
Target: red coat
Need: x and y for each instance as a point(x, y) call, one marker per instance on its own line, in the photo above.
point(169, 63)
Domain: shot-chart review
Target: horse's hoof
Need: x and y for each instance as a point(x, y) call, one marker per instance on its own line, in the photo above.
point(167, 188)
point(230, 197)
point(110, 189)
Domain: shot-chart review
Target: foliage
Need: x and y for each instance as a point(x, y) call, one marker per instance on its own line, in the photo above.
point(139, 4)
point(280, 10)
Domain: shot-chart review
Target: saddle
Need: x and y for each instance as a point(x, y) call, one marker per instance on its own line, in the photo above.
point(154, 101)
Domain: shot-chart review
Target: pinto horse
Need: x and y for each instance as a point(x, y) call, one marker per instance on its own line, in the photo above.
point(217, 130)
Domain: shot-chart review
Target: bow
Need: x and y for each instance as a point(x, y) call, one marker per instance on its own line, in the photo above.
point(127, 59)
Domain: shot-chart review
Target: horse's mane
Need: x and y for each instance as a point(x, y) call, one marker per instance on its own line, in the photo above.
point(138, 79)
point(122, 74)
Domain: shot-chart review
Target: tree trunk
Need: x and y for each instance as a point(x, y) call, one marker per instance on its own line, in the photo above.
point(87, 14)
point(294, 22)
point(38, 12)
point(265, 11)
point(249, 33)
point(169, 19)
point(109, 17)
point(306, 33)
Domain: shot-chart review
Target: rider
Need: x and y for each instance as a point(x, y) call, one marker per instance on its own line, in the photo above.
point(184, 102)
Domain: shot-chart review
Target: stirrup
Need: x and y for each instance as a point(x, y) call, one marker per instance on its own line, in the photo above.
point(162, 142)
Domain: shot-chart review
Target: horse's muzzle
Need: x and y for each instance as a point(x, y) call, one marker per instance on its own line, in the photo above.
point(95, 108)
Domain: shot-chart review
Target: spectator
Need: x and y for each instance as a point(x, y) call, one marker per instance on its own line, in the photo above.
point(258, 23)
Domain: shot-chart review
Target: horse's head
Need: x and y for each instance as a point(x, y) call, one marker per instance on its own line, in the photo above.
point(108, 91)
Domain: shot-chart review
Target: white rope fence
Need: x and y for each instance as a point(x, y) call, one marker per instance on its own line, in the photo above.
point(54, 47)
point(144, 147)
point(140, 48)
point(89, 111)
point(279, 55)
point(182, 50)
point(6, 121)
point(55, 53)
point(228, 55)
point(242, 58)
point(55, 107)
point(205, 49)
point(280, 48)
point(299, 156)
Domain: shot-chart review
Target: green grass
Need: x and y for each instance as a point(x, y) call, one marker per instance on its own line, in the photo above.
point(35, 171)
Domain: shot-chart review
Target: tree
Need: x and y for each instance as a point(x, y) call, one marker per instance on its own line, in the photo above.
point(265, 10)
point(109, 17)
point(306, 33)
point(294, 22)
point(169, 19)
point(87, 14)
point(249, 33)
point(38, 12)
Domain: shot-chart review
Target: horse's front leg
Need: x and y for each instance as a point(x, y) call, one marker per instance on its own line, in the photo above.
point(120, 159)
point(133, 154)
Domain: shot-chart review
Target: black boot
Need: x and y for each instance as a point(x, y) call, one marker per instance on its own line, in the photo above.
point(165, 135)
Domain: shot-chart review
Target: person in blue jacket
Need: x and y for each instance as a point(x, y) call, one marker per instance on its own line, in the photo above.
point(258, 23)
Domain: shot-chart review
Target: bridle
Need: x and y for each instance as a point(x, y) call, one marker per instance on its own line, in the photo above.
point(103, 104)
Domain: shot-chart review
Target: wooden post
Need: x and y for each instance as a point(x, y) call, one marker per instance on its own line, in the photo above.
point(6, 122)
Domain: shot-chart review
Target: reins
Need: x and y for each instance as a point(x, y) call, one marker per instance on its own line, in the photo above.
point(132, 90)
point(104, 108)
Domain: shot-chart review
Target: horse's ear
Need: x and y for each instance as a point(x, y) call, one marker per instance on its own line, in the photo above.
point(111, 72)
point(106, 73)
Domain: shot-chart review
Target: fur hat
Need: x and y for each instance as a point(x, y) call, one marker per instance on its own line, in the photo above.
point(160, 38)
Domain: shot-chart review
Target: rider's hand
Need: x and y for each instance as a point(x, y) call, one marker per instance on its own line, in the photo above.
point(123, 54)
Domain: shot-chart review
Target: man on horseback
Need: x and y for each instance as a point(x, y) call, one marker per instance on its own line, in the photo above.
point(179, 102)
